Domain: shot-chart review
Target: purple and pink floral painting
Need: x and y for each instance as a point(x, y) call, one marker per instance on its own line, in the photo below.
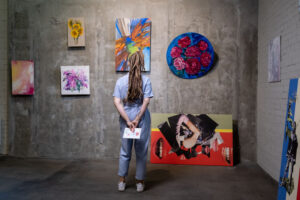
point(190, 55)
point(75, 80)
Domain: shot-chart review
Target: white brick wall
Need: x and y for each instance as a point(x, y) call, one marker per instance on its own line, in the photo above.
point(276, 17)
point(3, 76)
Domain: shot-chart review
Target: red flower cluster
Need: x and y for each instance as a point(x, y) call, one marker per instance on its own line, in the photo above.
point(175, 52)
point(192, 51)
point(184, 42)
point(202, 45)
point(205, 59)
point(193, 66)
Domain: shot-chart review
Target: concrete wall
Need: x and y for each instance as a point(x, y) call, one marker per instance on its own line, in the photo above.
point(3, 76)
point(276, 17)
point(50, 125)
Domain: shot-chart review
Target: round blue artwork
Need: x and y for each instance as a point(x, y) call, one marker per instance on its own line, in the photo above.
point(190, 55)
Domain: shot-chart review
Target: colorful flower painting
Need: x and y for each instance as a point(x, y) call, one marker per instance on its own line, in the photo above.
point(190, 55)
point(75, 80)
point(132, 35)
point(76, 30)
point(22, 77)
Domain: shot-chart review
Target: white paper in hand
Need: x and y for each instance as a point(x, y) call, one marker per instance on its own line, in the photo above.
point(132, 135)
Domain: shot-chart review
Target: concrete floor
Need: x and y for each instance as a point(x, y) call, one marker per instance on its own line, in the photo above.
point(85, 179)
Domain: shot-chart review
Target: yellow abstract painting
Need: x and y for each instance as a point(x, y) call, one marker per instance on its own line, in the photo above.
point(22, 77)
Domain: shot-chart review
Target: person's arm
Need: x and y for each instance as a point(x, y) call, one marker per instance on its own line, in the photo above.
point(120, 108)
point(146, 102)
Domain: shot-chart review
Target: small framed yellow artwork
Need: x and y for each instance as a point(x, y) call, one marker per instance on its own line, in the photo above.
point(76, 32)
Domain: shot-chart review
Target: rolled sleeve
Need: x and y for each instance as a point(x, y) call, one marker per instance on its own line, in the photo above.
point(148, 89)
point(117, 92)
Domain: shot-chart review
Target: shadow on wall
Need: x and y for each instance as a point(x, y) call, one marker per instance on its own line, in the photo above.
point(236, 144)
point(76, 48)
point(215, 62)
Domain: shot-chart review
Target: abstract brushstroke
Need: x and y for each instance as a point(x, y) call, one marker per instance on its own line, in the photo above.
point(22, 77)
point(132, 35)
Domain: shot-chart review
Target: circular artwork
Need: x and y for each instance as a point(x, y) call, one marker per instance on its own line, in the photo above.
point(190, 55)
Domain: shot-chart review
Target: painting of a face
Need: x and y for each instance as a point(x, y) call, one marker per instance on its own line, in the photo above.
point(191, 139)
point(132, 35)
point(22, 77)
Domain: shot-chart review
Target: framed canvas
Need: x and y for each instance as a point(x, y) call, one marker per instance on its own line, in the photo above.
point(76, 32)
point(191, 139)
point(132, 35)
point(190, 55)
point(274, 60)
point(75, 80)
point(288, 186)
point(22, 77)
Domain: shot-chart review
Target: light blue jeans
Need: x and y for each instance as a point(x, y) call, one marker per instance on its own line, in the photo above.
point(140, 146)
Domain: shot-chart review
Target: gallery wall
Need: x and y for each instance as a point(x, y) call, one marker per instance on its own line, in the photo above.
point(50, 125)
point(276, 18)
point(3, 76)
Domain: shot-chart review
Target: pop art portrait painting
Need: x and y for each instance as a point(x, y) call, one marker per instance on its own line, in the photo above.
point(190, 139)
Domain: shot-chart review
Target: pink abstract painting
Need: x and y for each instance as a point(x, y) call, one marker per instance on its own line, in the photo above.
point(22, 77)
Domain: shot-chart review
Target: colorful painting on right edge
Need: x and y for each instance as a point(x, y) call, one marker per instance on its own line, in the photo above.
point(191, 139)
point(290, 161)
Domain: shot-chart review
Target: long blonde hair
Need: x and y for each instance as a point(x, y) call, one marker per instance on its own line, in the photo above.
point(135, 90)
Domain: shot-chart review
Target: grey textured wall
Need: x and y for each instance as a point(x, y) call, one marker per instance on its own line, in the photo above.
point(279, 17)
point(50, 125)
point(3, 76)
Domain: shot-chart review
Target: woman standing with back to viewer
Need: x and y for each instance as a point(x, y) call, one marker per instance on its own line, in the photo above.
point(131, 97)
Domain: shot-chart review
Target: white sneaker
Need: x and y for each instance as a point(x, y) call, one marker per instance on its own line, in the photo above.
point(140, 187)
point(121, 186)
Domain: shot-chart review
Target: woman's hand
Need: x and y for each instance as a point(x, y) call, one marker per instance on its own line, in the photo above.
point(131, 126)
point(120, 108)
point(135, 122)
point(138, 117)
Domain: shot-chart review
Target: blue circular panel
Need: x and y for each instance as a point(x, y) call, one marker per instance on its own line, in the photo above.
point(190, 55)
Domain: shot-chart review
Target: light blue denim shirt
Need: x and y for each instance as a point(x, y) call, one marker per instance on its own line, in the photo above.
point(121, 88)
